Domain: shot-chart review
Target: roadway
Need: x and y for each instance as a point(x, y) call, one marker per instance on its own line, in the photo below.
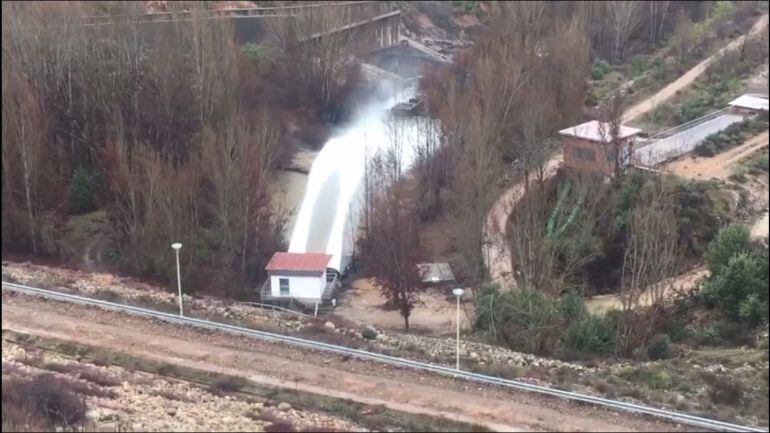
point(282, 361)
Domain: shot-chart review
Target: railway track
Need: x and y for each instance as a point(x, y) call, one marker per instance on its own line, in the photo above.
point(676, 417)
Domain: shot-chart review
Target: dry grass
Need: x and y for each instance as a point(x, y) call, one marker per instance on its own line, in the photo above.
point(170, 395)
point(40, 404)
point(317, 331)
point(84, 372)
point(227, 384)
point(504, 371)
point(276, 423)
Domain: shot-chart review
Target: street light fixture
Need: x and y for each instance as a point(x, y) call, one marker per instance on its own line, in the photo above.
point(458, 292)
point(176, 246)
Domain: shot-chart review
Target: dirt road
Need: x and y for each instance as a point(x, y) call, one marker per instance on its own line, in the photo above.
point(278, 365)
point(683, 283)
point(497, 253)
point(718, 166)
point(435, 315)
point(760, 229)
point(685, 80)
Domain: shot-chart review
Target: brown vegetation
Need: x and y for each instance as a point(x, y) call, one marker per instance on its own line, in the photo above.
point(391, 244)
point(40, 404)
point(545, 59)
point(173, 128)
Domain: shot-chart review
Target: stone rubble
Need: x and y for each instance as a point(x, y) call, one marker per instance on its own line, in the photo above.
point(433, 349)
point(146, 402)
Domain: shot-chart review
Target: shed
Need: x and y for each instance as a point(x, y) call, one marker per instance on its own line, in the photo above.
point(436, 273)
point(586, 148)
point(748, 105)
point(298, 276)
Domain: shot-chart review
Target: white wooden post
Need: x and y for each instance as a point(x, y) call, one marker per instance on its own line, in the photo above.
point(315, 314)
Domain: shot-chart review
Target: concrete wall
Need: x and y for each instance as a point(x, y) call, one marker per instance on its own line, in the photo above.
point(399, 61)
point(310, 287)
point(577, 158)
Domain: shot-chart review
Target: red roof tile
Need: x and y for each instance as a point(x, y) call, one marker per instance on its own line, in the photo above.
point(298, 262)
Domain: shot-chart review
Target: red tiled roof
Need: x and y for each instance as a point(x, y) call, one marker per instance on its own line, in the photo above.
point(298, 262)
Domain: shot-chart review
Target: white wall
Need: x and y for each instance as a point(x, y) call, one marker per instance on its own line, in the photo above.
point(310, 287)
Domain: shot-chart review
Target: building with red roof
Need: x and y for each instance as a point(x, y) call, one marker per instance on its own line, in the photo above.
point(300, 276)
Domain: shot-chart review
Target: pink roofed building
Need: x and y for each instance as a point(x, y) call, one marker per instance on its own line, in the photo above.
point(587, 147)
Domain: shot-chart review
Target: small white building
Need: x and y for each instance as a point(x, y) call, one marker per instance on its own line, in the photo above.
point(300, 276)
point(748, 105)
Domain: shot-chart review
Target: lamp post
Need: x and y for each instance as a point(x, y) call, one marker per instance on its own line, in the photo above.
point(458, 292)
point(176, 246)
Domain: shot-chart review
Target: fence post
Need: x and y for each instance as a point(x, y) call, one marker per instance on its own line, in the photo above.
point(315, 313)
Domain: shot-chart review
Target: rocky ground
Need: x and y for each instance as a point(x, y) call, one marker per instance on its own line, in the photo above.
point(121, 400)
point(131, 291)
point(692, 381)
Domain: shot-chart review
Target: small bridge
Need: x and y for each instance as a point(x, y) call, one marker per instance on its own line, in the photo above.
point(677, 141)
point(275, 11)
point(367, 31)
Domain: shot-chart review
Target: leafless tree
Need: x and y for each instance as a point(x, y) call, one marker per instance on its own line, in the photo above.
point(624, 18)
point(316, 68)
point(551, 262)
point(23, 149)
point(650, 258)
point(391, 245)
point(611, 115)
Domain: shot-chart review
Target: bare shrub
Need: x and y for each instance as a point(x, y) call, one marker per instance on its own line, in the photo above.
point(89, 374)
point(40, 404)
point(227, 384)
point(170, 395)
point(277, 424)
point(723, 390)
point(317, 331)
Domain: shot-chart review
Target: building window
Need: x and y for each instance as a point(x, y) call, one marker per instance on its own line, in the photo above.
point(284, 283)
point(585, 154)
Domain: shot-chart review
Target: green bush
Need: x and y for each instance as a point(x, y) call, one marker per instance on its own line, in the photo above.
point(730, 241)
point(739, 174)
point(700, 212)
point(762, 163)
point(708, 336)
point(522, 319)
point(84, 189)
point(593, 335)
point(639, 64)
point(659, 347)
point(81, 192)
point(740, 289)
point(599, 69)
point(661, 380)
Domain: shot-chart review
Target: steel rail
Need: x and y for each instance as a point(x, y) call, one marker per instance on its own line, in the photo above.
point(255, 11)
point(677, 417)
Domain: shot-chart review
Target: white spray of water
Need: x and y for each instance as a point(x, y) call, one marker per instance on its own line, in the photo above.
point(339, 168)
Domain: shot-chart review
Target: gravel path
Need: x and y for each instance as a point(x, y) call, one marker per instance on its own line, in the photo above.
point(282, 366)
point(689, 76)
point(718, 166)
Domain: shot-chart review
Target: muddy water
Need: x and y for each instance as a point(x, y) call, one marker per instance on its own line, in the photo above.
point(289, 187)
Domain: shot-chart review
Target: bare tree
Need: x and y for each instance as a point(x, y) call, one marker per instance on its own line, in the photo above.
point(237, 164)
point(624, 19)
point(391, 245)
point(611, 115)
point(551, 243)
point(317, 67)
point(23, 152)
point(650, 258)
